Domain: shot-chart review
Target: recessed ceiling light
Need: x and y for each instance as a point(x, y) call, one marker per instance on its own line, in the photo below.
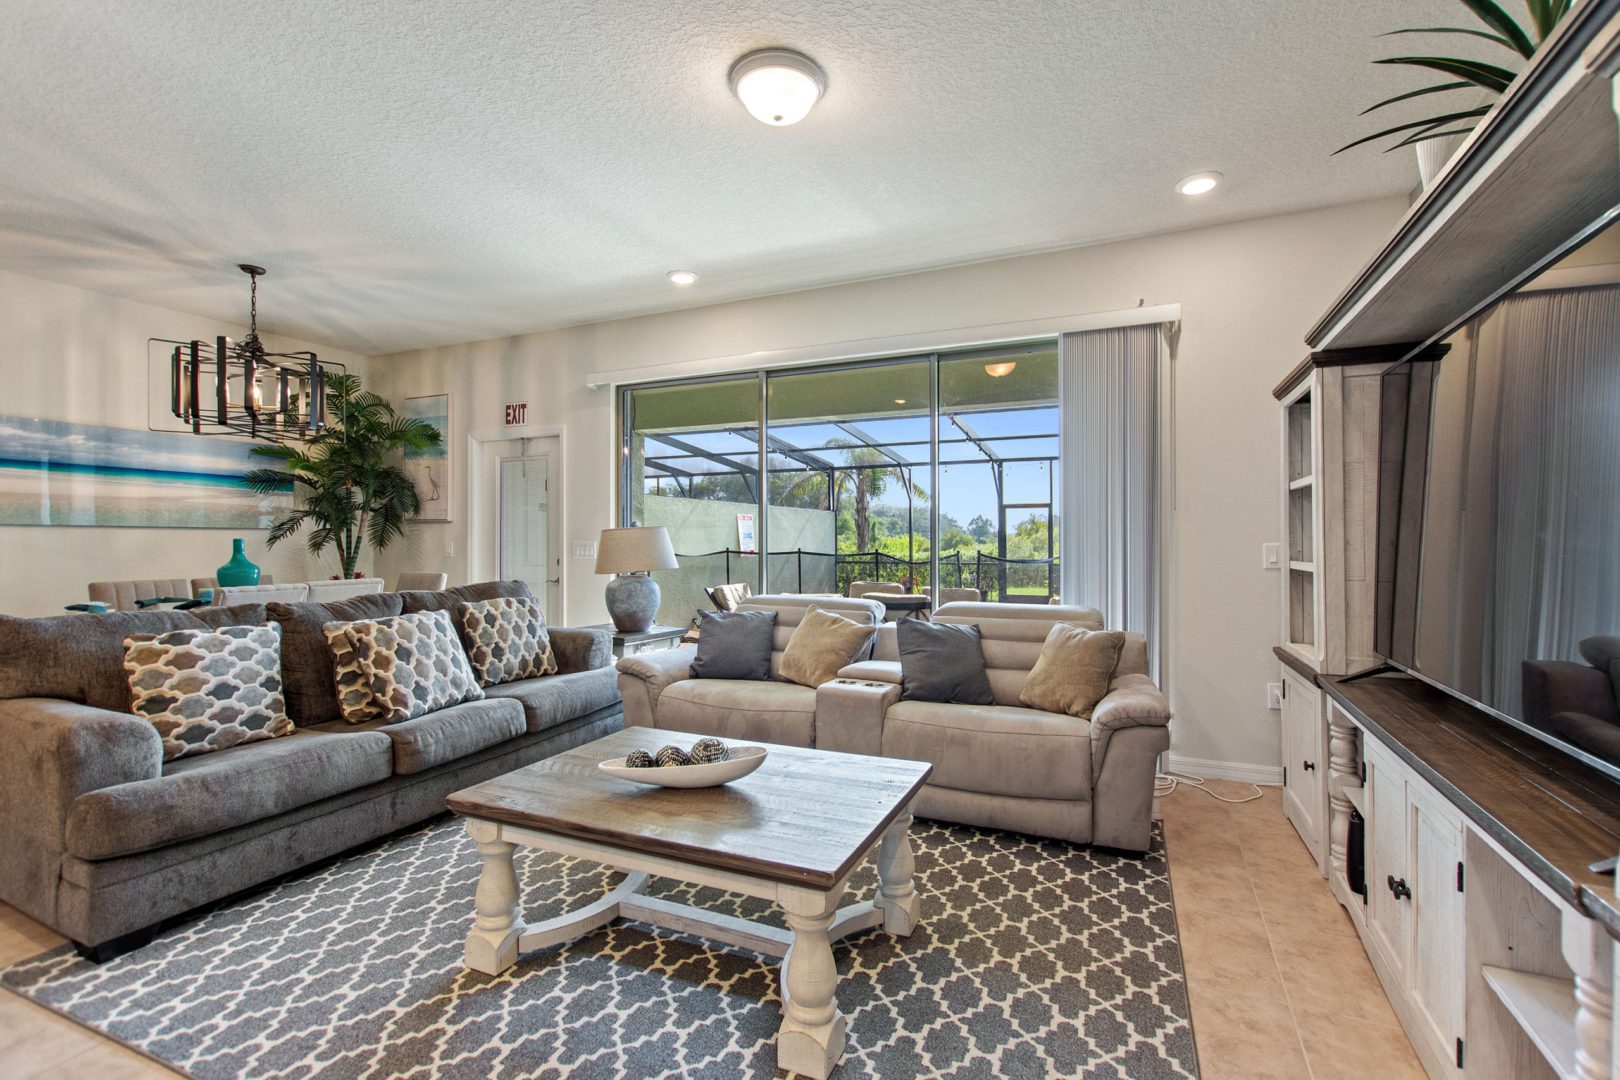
point(777, 86)
point(996, 371)
point(682, 277)
point(1201, 183)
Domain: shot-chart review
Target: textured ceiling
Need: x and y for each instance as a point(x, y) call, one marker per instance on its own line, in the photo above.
point(416, 174)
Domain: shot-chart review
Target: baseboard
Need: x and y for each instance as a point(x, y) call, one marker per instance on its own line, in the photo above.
point(1227, 770)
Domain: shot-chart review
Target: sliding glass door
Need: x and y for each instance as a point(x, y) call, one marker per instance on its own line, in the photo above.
point(846, 474)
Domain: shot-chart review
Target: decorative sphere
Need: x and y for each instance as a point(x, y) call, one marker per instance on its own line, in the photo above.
point(708, 751)
point(670, 756)
point(638, 759)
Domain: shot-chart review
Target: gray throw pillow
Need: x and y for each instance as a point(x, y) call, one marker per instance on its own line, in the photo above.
point(942, 662)
point(734, 645)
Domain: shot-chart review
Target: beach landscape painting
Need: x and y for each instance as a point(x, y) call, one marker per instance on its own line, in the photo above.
point(429, 469)
point(53, 472)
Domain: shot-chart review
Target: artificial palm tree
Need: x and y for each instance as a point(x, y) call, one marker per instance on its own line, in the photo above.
point(1501, 29)
point(346, 482)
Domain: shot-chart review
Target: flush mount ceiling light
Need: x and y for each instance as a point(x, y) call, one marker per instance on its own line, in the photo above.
point(682, 277)
point(1201, 183)
point(228, 387)
point(997, 371)
point(778, 86)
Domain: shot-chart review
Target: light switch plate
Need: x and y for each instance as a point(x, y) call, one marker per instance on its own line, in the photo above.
point(449, 549)
point(1270, 556)
point(1273, 695)
point(584, 549)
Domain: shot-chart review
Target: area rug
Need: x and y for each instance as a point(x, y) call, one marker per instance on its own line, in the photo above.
point(1034, 959)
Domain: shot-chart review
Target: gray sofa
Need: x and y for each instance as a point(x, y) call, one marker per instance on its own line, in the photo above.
point(102, 840)
point(1001, 766)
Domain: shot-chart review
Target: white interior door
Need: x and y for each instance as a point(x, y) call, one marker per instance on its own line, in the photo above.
point(526, 537)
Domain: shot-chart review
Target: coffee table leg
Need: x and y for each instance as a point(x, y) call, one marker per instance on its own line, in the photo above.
point(811, 1038)
point(897, 894)
point(492, 944)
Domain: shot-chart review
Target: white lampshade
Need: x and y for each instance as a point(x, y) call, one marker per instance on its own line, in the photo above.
point(632, 551)
point(777, 86)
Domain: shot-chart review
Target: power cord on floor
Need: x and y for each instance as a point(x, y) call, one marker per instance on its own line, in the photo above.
point(1166, 782)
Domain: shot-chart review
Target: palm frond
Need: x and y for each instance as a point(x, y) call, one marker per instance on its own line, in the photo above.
point(1417, 93)
point(1503, 23)
point(1424, 136)
point(1489, 76)
point(1487, 35)
point(1431, 122)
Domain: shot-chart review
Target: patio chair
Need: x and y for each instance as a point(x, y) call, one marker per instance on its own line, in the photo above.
point(949, 596)
point(858, 589)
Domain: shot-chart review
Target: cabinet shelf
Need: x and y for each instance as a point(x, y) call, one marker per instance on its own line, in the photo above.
point(1357, 797)
point(1544, 1007)
point(1302, 567)
point(1302, 482)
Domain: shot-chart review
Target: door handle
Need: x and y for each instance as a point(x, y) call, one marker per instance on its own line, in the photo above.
point(1310, 766)
point(1398, 888)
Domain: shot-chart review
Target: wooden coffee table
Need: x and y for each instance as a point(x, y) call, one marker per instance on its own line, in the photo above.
point(793, 832)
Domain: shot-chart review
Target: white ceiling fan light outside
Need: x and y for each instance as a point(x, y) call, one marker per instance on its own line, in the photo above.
point(778, 86)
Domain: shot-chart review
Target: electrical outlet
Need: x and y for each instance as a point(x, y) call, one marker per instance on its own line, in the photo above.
point(1270, 556)
point(1273, 695)
point(584, 549)
point(449, 549)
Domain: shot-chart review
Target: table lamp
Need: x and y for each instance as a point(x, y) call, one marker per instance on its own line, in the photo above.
point(631, 555)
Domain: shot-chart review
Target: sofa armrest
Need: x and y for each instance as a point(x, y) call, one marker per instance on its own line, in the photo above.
point(580, 650)
point(1132, 701)
point(887, 671)
point(1549, 687)
point(850, 711)
point(56, 751)
point(643, 677)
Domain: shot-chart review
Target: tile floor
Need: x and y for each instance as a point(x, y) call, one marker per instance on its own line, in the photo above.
point(1280, 985)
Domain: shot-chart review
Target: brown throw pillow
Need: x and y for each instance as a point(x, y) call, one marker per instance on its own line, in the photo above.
point(821, 644)
point(1074, 670)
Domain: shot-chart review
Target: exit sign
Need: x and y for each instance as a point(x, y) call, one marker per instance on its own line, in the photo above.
point(517, 413)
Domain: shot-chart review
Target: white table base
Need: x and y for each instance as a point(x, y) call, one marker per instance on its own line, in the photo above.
point(811, 1038)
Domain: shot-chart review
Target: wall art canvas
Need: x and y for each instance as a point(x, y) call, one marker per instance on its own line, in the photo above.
point(53, 472)
point(430, 469)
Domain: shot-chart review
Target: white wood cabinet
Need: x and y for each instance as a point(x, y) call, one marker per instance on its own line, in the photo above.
point(1388, 862)
point(1435, 973)
point(1305, 763)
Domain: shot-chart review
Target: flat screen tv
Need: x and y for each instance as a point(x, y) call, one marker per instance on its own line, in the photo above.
point(1499, 523)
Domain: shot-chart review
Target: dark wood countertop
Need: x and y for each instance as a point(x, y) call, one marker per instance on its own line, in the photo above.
point(1554, 814)
point(1292, 659)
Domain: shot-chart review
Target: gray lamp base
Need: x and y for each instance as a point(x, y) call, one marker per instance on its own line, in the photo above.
point(632, 602)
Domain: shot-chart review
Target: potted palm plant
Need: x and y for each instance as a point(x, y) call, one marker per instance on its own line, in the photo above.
point(346, 481)
point(1436, 137)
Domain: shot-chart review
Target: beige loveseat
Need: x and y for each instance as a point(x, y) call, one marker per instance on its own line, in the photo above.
point(1001, 766)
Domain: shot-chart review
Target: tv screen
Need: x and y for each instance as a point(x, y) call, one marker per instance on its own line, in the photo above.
point(1499, 526)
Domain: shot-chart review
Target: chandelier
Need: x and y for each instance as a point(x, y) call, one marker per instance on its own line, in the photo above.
point(226, 387)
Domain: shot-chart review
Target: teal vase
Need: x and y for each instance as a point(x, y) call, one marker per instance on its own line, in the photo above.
point(239, 571)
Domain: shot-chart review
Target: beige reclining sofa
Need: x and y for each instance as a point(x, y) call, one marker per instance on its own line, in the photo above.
point(1003, 766)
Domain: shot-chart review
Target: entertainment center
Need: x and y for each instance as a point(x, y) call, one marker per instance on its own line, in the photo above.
point(1450, 476)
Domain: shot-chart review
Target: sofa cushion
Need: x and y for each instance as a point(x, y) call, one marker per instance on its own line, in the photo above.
point(1603, 653)
point(413, 663)
point(198, 796)
point(734, 644)
point(941, 662)
point(823, 642)
point(994, 749)
point(734, 709)
point(445, 735)
point(306, 658)
point(81, 657)
point(208, 690)
point(556, 699)
point(505, 639)
point(421, 600)
point(1075, 668)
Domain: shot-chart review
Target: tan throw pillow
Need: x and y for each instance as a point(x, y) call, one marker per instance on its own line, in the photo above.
point(1074, 670)
point(353, 687)
point(821, 644)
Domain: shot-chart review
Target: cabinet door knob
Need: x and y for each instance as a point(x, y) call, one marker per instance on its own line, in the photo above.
point(1310, 766)
point(1398, 888)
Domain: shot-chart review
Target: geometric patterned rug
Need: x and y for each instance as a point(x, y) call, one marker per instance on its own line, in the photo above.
point(1034, 958)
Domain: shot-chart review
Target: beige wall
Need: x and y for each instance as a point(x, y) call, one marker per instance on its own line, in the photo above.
point(1248, 291)
point(82, 356)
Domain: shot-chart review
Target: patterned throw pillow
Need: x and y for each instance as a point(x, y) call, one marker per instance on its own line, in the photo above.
point(206, 690)
point(506, 639)
point(353, 688)
point(413, 663)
